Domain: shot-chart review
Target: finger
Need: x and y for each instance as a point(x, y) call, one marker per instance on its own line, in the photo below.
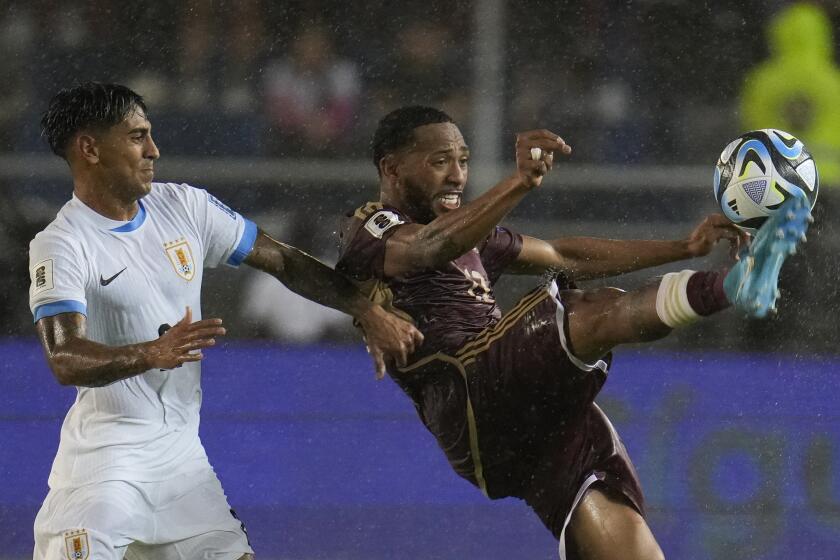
point(418, 338)
point(402, 356)
point(197, 344)
point(536, 168)
point(187, 318)
point(539, 134)
point(545, 144)
point(379, 364)
point(206, 323)
point(191, 357)
point(204, 333)
point(549, 160)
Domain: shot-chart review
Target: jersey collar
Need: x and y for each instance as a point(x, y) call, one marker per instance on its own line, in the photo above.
point(115, 226)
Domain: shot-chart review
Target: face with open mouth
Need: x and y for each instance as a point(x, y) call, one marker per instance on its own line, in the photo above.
point(434, 172)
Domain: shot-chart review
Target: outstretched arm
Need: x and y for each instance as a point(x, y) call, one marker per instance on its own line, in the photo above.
point(419, 247)
point(76, 360)
point(584, 258)
point(387, 335)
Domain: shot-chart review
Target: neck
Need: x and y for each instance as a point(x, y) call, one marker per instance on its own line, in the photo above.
point(103, 202)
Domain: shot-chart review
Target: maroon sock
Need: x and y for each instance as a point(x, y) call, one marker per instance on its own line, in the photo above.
point(705, 292)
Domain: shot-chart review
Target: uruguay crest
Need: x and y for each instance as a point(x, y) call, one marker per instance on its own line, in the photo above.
point(76, 545)
point(180, 255)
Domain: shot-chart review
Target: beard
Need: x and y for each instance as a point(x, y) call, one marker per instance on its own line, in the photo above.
point(420, 206)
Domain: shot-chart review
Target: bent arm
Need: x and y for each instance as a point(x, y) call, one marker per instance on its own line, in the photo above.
point(419, 247)
point(387, 335)
point(447, 237)
point(76, 360)
point(307, 276)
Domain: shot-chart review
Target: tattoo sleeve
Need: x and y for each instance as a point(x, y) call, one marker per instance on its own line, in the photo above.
point(306, 275)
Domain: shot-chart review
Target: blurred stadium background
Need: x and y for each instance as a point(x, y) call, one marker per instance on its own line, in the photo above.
point(270, 105)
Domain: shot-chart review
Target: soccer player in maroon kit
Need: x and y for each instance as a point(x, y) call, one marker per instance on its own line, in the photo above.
point(510, 399)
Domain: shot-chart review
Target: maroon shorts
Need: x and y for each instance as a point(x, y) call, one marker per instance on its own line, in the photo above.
point(514, 411)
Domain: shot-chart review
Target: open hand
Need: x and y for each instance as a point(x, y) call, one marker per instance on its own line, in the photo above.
point(179, 343)
point(535, 154)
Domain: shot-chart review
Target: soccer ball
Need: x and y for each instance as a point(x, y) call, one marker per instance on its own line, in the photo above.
point(758, 171)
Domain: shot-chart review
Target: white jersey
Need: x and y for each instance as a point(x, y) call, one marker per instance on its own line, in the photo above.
point(130, 279)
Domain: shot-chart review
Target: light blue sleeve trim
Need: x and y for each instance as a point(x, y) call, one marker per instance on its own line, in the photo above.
point(64, 306)
point(246, 244)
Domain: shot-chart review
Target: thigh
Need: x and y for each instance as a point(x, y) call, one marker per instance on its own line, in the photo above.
point(605, 526)
point(601, 319)
point(97, 521)
point(193, 520)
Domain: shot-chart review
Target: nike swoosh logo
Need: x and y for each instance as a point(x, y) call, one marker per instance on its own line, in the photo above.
point(105, 282)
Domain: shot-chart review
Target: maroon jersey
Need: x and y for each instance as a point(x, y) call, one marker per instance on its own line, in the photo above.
point(450, 305)
point(508, 403)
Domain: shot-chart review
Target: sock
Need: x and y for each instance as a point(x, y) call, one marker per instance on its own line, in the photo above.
point(705, 293)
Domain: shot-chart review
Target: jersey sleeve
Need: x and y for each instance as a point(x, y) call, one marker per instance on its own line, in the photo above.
point(57, 275)
point(363, 239)
point(499, 250)
point(227, 237)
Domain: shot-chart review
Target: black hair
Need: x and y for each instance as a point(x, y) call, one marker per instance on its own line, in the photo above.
point(396, 129)
point(89, 105)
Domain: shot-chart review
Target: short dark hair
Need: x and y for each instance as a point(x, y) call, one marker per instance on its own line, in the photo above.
point(85, 106)
point(396, 129)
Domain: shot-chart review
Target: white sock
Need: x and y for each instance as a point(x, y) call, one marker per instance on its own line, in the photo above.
point(672, 300)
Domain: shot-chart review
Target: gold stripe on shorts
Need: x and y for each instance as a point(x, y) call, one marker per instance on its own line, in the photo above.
point(482, 342)
point(478, 470)
point(466, 355)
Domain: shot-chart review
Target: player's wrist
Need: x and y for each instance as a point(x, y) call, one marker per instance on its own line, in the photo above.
point(687, 249)
point(147, 354)
point(367, 314)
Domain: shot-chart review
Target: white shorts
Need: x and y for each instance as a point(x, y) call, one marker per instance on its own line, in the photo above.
point(184, 518)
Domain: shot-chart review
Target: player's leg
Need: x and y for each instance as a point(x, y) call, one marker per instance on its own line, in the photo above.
point(194, 520)
point(599, 320)
point(605, 526)
point(97, 521)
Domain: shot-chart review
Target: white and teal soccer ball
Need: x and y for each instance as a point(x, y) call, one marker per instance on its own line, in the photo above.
point(758, 171)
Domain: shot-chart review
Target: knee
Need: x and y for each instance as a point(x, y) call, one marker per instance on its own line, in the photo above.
point(603, 294)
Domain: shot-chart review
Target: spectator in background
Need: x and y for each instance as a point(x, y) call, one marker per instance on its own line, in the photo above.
point(17, 34)
point(798, 87)
point(212, 71)
point(797, 90)
point(311, 96)
point(425, 66)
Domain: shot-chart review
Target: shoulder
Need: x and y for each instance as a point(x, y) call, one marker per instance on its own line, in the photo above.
point(61, 236)
point(377, 219)
point(185, 196)
point(368, 224)
point(171, 192)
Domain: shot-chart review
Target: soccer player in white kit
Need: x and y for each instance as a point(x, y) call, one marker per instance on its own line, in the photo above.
point(115, 293)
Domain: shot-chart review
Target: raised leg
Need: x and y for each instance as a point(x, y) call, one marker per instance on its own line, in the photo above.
point(605, 526)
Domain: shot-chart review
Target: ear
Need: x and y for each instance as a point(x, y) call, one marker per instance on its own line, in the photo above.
point(388, 167)
point(86, 147)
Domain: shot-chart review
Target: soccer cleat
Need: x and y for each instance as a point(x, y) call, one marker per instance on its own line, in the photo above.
point(751, 284)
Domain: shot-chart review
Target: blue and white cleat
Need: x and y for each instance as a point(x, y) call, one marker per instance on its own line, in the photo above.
point(751, 285)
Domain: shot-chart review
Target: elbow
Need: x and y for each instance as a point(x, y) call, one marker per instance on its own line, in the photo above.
point(63, 376)
point(62, 373)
